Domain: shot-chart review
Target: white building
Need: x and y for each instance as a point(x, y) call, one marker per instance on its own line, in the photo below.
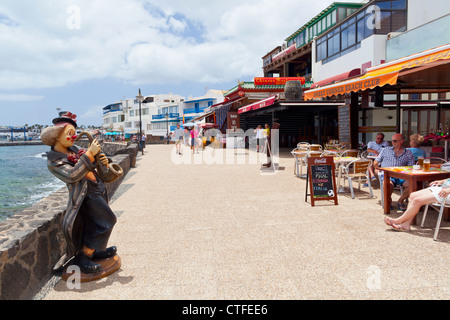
point(123, 116)
point(192, 109)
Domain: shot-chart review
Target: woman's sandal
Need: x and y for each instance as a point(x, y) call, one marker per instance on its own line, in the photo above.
point(399, 227)
point(388, 221)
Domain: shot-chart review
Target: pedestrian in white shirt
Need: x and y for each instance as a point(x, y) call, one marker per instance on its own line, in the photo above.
point(259, 137)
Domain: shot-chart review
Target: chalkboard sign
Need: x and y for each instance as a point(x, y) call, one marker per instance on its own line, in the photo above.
point(321, 178)
point(344, 124)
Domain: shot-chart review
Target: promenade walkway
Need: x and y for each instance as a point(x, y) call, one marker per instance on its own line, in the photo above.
point(226, 231)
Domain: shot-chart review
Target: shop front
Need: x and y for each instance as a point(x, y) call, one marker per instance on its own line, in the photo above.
point(424, 73)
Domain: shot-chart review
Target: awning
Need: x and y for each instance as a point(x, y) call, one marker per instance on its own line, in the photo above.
point(258, 105)
point(339, 77)
point(383, 74)
point(361, 83)
point(203, 116)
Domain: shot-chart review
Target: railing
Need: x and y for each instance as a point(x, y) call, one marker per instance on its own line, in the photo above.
point(163, 116)
point(108, 111)
point(194, 110)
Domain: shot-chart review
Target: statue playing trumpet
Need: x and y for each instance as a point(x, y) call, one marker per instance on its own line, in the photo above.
point(88, 220)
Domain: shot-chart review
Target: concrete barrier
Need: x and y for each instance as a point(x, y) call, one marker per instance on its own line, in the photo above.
point(32, 241)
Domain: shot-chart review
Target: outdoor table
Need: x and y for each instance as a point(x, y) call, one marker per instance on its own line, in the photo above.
point(300, 153)
point(339, 161)
point(415, 178)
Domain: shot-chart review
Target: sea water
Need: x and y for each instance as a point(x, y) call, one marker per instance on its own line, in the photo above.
point(24, 178)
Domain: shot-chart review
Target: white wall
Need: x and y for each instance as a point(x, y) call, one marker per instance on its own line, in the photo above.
point(379, 117)
point(373, 49)
point(420, 11)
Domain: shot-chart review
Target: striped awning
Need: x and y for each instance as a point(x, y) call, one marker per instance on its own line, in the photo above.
point(383, 74)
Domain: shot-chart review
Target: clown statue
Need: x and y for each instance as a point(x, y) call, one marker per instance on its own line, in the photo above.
point(88, 220)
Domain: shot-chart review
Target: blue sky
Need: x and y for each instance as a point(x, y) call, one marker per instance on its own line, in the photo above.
point(81, 55)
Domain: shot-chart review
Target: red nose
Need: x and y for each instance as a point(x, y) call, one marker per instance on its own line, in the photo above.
point(74, 136)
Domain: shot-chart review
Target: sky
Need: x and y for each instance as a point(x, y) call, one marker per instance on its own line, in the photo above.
point(81, 55)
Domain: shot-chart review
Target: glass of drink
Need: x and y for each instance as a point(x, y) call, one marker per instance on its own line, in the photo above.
point(426, 165)
point(421, 162)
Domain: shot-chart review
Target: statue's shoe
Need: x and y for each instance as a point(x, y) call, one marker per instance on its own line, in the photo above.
point(108, 253)
point(86, 264)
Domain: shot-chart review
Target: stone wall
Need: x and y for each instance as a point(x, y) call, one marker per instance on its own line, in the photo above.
point(32, 242)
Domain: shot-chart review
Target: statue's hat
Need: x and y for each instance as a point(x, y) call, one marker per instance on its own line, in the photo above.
point(66, 118)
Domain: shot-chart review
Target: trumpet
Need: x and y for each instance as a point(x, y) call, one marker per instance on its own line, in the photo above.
point(107, 174)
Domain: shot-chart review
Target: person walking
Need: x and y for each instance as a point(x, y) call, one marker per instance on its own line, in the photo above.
point(194, 134)
point(178, 134)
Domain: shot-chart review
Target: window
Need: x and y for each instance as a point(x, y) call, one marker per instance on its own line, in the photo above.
point(399, 5)
point(341, 14)
point(360, 30)
point(334, 44)
point(398, 23)
point(347, 37)
point(351, 35)
point(333, 17)
point(329, 20)
point(344, 34)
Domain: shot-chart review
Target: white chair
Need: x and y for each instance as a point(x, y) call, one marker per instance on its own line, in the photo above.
point(438, 207)
point(350, 153)
point(315, 147)
point(357, 169)
point(303, 145)
point(300, 161)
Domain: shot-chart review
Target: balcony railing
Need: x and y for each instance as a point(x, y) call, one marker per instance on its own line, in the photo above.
point(163, 116)
point(194, 110)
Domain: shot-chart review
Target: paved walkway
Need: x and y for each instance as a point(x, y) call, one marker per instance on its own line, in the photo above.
point(226, 231)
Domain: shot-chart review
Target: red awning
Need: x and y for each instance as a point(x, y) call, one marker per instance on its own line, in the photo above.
point(258, 105)
point(339, 77)
point(208, 125)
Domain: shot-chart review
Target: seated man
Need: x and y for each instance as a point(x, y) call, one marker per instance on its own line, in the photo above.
point(374, 148)
point(395, 156)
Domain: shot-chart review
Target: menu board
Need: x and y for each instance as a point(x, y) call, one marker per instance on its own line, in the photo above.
point(233, 121)
point(322, 181)
point(344, 124)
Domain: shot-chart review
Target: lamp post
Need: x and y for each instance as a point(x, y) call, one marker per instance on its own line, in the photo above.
point(140, 98)
point(167, 122)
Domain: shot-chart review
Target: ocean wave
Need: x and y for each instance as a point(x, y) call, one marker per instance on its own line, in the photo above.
point(40, 155)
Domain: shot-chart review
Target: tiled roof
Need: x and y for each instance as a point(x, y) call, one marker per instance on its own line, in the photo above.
point(251, 86)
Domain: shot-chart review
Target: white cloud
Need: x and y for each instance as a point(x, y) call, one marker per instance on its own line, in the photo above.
point(177, 25)
point(11, 97)
point(142, 41)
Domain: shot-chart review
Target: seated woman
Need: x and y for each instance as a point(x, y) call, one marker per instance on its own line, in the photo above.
point(415, 141)
point(437, 192)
